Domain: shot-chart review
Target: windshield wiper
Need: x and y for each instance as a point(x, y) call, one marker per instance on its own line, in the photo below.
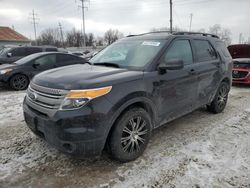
point(107, 64)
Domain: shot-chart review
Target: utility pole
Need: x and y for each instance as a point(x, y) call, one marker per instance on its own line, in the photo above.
point(171, 16)
point(34, 21)
point(83, 7)
point(61, 32)
point(191, 19)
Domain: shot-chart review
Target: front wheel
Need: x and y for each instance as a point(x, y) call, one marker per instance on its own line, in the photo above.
point(130, 135)
point(220, 101)
point(19, 82)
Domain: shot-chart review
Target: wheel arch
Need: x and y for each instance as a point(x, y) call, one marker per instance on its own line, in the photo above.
point(141, 102)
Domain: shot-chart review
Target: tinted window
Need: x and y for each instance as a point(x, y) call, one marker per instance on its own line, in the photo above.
point(181, 49)
point(66, 58)
point(221, 46)
point(33, 50)
point(47, 60)
point(18, 52)
point(204, 51)
point(51, 50)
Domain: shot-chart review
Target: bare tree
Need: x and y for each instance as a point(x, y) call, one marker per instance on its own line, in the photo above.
point(90, 39)
point(74, 38)
point(50, 36)
point(112, 35)
point(223, 33)
point(175, 29)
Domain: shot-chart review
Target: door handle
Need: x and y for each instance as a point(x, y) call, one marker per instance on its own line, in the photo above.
point(192, 72)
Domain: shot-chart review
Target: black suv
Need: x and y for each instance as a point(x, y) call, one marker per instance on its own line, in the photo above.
point(132, 87)
point(12, 54)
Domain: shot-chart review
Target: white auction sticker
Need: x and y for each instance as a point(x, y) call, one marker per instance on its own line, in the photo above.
point(151, 43)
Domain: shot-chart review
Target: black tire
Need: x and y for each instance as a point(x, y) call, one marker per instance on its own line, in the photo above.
point(125, 144)
point(19, 82)
point(220, 100)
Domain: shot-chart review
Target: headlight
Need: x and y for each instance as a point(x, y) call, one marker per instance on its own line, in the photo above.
point(78, 98)
point(5, 71)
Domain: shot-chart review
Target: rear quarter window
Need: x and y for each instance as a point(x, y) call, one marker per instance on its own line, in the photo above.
point(222, 47)
point(51, 50)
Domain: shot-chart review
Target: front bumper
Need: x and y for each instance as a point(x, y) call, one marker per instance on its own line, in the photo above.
point(81, 133)
point(242, 80)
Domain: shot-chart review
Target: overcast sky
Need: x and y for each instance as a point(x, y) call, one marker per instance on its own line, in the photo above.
point(129, 16)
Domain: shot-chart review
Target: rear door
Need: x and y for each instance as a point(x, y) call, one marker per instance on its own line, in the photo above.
point(178, 88)
point(67, 59)
point(207, 68)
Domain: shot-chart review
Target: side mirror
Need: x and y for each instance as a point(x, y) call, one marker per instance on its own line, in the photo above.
point(9, 54)
point(35, 65)
point(172, 64)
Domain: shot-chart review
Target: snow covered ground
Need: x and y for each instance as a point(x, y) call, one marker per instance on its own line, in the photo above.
point(198, 150)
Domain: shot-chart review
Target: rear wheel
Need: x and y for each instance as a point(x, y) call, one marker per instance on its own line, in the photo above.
point(130, 135)
point(19, 82)
point(220, 101)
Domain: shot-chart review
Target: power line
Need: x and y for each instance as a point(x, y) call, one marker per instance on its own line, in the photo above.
point(34, 21)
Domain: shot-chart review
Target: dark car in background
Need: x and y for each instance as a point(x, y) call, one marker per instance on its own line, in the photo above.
point(12, 54)
point(241, 67)
point(18, 75)
point(132, 87)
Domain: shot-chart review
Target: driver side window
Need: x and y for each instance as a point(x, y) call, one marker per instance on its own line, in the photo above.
point(181, 49)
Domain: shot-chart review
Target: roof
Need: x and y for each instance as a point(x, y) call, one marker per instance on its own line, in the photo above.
point(8, 34)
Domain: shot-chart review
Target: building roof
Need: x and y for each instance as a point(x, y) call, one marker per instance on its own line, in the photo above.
point(8, 34)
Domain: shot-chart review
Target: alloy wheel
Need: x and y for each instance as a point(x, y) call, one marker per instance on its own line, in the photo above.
point(133, 135)
point(20, 82)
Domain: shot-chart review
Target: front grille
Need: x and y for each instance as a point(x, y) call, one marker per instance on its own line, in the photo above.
point(45, 97)
point(239, 74)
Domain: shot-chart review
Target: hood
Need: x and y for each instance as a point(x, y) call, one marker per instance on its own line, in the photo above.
point(84, 76)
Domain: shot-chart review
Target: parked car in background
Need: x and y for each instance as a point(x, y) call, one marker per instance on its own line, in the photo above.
point(148, 80)
point(12, 54)
point(241, 67)
point(18, 75)
point(241, 71)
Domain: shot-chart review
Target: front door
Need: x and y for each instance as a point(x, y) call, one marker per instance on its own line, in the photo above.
point(43, 63)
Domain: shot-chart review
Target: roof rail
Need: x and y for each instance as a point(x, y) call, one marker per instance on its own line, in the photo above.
point(196, 33)
point(152, 32)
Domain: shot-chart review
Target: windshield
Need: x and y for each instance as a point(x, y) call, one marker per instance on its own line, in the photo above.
point(4, 50)
point(27, 59)
point(129, 54)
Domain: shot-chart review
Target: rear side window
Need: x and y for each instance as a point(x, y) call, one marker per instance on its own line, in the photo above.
point(64, 58)
point(181, 49)
point(50, 50)
point(33, 50)
point(222, 47)
point(204, 51)
point(18, 52)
